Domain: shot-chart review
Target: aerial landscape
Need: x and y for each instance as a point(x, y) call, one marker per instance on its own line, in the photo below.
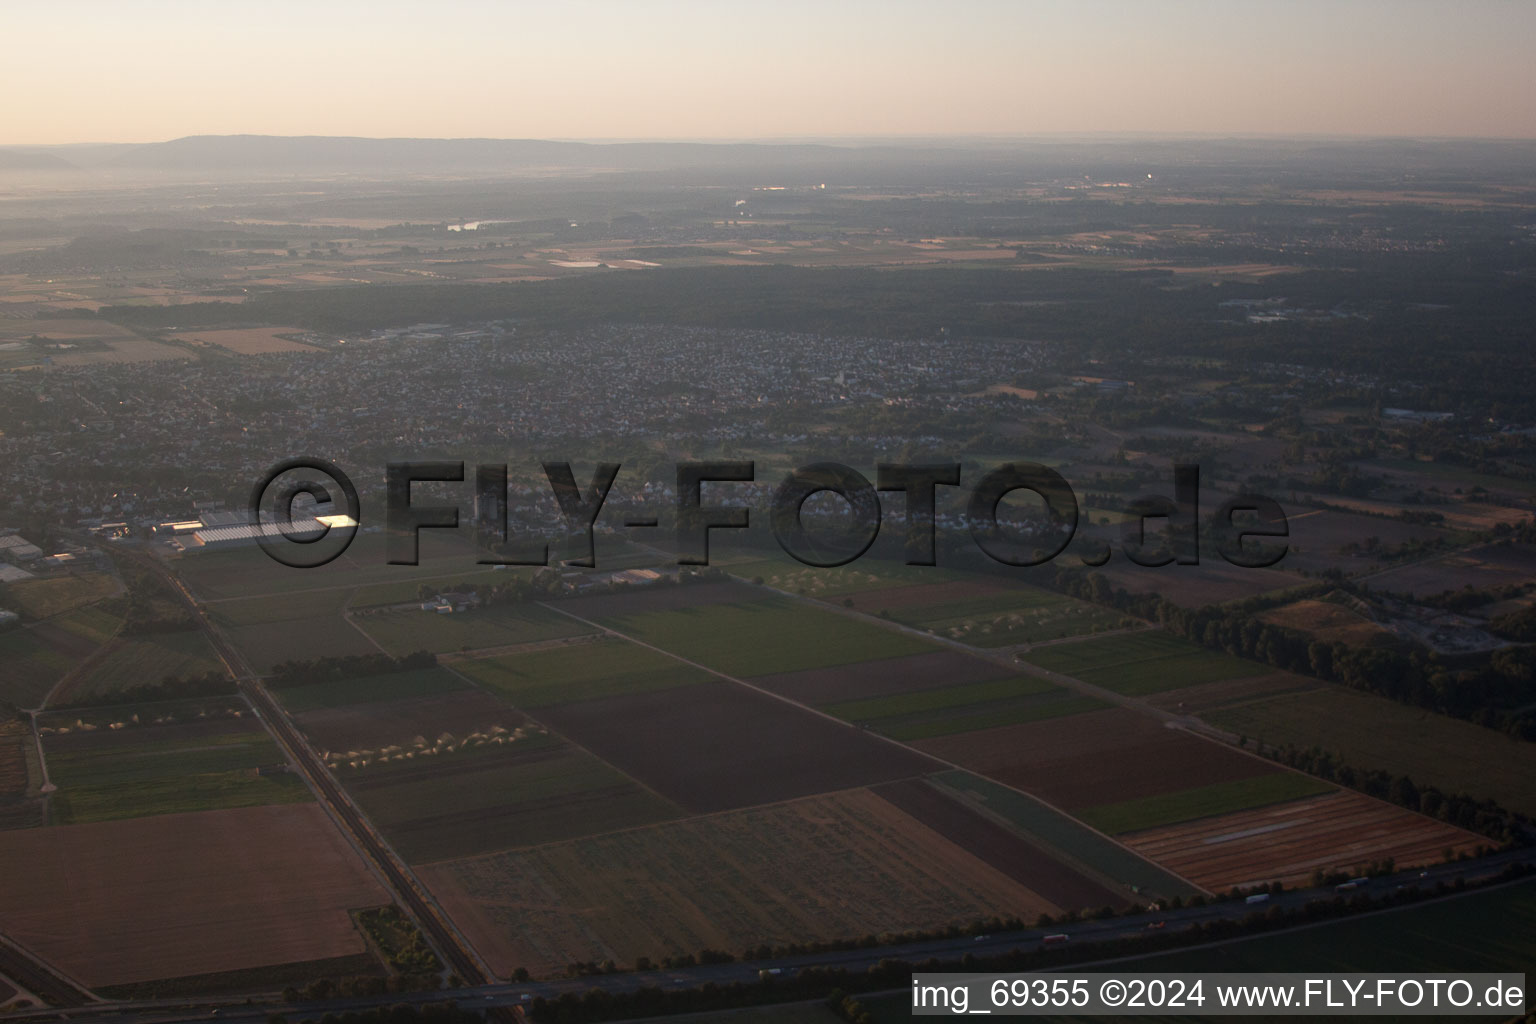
point(726, 573)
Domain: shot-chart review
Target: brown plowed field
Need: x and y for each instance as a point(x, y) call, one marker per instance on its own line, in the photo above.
point(1095, 758)
point(715, 746)
point(880, 678)
point(993, 844)
point(1287, 842)
point(838, 866)
point(182, 894)
point(662, 599)
point(381, 723)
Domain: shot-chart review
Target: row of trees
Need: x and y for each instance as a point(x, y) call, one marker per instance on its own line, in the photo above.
point(1495, 692)
point(330, 669)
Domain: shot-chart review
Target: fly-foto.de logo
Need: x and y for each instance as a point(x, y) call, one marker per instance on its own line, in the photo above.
point(306, 511)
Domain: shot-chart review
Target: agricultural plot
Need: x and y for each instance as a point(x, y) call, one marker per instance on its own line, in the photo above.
point(888, 676)
point(766, 636)
point(41, 599)
point(1331, 622)
point(32, 666)
point(826, 867)
point(1202, 802)
point(403, 631)
point(1213, 581)
point(591, 671)
point(249, 572)
point(1489, 566)
point(129, 901)
point(407, 721)
point(249, 341)
point(989, 614)
point(964, 708)
point(1001, 847)
point(528, 789)
point(1065, 837)
point(392, 686)
point(1367, 732)
point(1096, 758)
point(1287, 842)
point(1137, 664)
point(266, 644)
point(142, 661)
point(17, 810)
point(121, 764)
point(716, 746)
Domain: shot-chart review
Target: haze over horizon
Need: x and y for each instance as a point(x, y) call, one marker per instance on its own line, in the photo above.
point(684, 70)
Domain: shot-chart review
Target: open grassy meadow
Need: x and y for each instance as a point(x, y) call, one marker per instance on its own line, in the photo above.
point(1135, 664)
point(579, 672)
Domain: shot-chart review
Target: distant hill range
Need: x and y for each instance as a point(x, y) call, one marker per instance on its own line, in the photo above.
point(890, 160)
point(21, 160)
point(310, 154)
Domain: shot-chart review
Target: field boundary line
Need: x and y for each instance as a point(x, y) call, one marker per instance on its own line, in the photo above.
point(868, 732)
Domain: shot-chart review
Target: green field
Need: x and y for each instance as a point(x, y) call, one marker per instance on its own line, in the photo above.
point(493, 799)
point(280, 608)
point(775, 634)
point(378, 595)
point(1136, 664)
point(587, 671)
point(965, 708)
point(1053, 829)
point(249, 572)
point(31, 668)
point(132, 775)
point(94, 624)
point(1368, 732)
point(1202, 802)
point(146, 661)
point(43, 598)
point(367, 689)
point(401, 632)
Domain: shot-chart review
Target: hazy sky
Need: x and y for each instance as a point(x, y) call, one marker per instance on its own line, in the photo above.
point(146, 70)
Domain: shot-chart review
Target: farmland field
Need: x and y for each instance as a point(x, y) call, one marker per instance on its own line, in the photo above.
point(963, 708)
point(404, 631)
point(248, 342)
point(138, 770)
point(999, 846)
point(868, 574)
point(32, 666)
point(1202, 802)
point(365, 689)
point(144, 661)
point(608, 668)
point(1136, 664)
point(1096, 758)
point(1455, 756)
point(16, 810)
point(385, 721)
point(1489, 566)
point(1066, 836)
point(764, 637)
point(825, 867)
point(536, 789)
point(43, 598)
point(1286, 842)
point(715, 746)
point(886, 676)
point(127, 901)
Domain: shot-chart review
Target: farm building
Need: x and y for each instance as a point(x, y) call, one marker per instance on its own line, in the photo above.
point(18, 550)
